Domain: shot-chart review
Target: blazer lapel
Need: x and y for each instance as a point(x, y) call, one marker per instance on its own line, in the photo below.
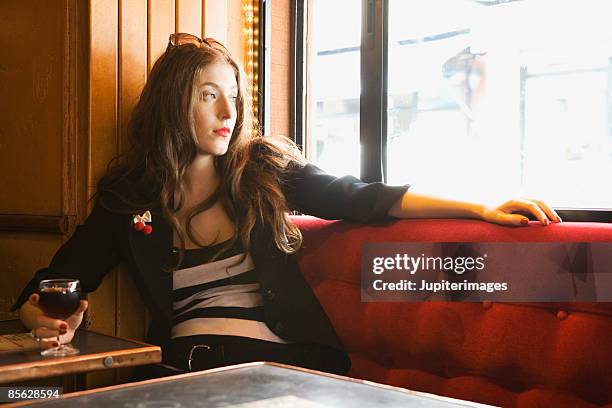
point(152, 253)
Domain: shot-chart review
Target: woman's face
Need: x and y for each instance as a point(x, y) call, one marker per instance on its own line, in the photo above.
point(214, 108)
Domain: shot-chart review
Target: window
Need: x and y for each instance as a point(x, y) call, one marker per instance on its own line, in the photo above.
point(479, 99)
point(332, 106)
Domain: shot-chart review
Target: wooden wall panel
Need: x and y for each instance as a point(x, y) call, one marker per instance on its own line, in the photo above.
point(43, 100)
point(103, 128)
point(189, 17)
point(280, 69)
point(31, 106)
point(133, 62)
point(216, 22)
point(21, 254)
point(40, 88)
point(160, 26)
point(103, 145)
point(103, 87)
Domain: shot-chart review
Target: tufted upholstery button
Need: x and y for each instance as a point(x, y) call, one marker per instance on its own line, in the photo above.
point(270, 295)
point(562, 315)
point(279, 327)
point(486, 304)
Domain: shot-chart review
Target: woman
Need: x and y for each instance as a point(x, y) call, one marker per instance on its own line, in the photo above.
point(197, 210)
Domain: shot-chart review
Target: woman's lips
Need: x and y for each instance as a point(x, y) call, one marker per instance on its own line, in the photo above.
point(225, 132)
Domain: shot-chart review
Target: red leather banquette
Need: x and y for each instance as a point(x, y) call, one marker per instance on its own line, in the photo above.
point(506, 354)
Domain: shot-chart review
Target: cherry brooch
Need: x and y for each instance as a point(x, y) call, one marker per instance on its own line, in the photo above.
point(140, 223)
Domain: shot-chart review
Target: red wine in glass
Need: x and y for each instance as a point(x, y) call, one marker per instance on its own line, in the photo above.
point(59, 299)
point(59, 304)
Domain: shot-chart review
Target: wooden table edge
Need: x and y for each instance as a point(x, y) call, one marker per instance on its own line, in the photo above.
point(80, 363)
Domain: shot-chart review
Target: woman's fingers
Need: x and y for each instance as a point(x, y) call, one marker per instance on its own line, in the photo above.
point(505, 218)
point(83, 306)
point(552, 214)
point(33, 299)
point(50, 323)
point(75, 319)
point(526, 206)
point(535, 210)
point(48, 343)
point(45, 332)
point(505, 214)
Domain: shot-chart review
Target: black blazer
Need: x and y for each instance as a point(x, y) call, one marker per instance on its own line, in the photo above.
point(291, 309)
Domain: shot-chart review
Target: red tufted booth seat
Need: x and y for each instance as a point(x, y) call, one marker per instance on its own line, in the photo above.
point(506, 354)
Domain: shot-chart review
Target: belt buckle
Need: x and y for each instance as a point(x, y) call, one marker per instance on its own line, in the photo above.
point(190, 357)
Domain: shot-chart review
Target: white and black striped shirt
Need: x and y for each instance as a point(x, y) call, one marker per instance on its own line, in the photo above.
point(220, 297)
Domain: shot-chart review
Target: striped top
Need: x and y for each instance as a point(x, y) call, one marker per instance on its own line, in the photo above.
point(220, 297)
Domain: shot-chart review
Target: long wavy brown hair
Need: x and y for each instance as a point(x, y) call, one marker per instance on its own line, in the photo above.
point(162, 145)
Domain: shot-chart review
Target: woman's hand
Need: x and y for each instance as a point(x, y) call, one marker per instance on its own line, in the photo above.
point(47, 328)
point(505, 214)
point(416, 205)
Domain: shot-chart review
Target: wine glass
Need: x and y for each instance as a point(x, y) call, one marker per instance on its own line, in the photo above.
point(59, 299)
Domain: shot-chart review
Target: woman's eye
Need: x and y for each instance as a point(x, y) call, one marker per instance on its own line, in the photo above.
point(207, 96)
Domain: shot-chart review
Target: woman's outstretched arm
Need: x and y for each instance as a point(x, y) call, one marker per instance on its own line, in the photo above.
point(415, 205)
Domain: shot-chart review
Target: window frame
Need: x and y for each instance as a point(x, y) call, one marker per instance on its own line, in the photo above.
point(263, 65)
point(298, 62)
point(373, 115)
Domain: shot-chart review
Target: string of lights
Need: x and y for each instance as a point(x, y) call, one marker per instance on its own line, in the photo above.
point(251, 34)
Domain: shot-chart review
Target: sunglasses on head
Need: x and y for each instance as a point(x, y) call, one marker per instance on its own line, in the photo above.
point(178, 39)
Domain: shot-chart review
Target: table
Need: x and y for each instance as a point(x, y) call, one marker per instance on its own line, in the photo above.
point(98, 352)
point(254, 385)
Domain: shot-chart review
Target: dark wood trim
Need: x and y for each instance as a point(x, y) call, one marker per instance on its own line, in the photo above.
point(263, 65)
point(75, 124)
point(298, 62)
point(47, 224)
point(372, 114)
point(81, 364)
point(82, 104)
point(69, 100)
point(32, 368)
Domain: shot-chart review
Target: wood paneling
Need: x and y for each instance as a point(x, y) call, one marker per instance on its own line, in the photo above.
point(161, 25)
point(75, 117)
point(189, 16)
point(103, 145)
point(31, 105)
point(41, 133)
point(280, 69)
point(133, 69)
point(133, 46)
point(54, 224)
point(66, 102)
point(21, 254)
point(216, 22)
point(103, 87)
